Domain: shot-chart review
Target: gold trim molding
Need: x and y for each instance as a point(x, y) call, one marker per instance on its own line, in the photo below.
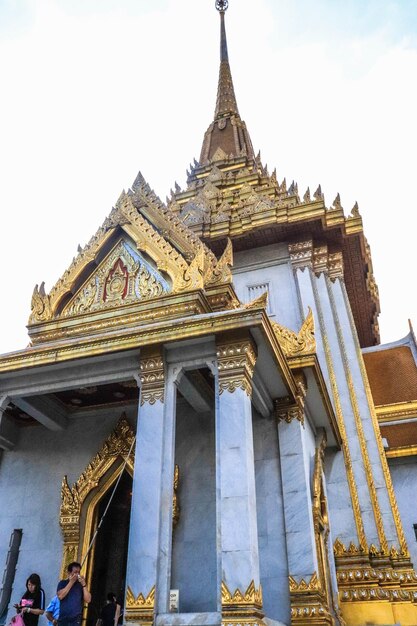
point(236, 360)
point(303, 254)
point(308, 602)
point(285, 412)
point(152, 376)
point(297, 344)
point(239, 601)
point(140, 608)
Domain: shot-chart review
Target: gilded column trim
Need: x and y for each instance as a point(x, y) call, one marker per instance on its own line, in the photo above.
point(236, 358)
point(357, 514)
point(384, 463)
point(308, 603)
point(301, 254)
point(359, 427)
point(152, 376)
point(140, 608)
point(286, 412)
point(242, 608)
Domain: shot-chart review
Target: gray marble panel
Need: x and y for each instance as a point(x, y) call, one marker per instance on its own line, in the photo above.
point(194, 538)
point(189, 619)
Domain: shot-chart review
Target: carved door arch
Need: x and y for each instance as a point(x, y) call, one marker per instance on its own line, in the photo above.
point(79, 502)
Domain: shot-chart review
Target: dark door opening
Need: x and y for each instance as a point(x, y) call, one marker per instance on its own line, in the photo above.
point(110, 550)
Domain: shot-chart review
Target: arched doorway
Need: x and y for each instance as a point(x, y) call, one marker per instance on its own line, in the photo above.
point(109, 554)
point(82, 506)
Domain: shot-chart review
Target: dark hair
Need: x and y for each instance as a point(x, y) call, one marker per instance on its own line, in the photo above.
point(35, 579)
point(73, 564)
point(111, 597)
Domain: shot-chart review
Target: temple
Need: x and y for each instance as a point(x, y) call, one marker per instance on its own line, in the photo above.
point(208, 370)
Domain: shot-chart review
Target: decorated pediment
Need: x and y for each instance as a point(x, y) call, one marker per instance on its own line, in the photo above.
point(141, 252)
point(124, 277)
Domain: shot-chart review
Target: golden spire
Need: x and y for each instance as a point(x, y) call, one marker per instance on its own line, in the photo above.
point(226, 136)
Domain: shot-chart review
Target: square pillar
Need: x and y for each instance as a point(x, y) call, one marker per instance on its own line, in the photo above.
point(241, 594)
point(143, 553)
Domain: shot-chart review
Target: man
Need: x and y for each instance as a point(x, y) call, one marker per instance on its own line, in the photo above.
point(72, 593)
point(108, 611)
point(52, 611)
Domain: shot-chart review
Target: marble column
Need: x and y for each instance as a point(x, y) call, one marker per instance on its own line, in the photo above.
point(295, 471)
point(143, 553)
point(237, 534)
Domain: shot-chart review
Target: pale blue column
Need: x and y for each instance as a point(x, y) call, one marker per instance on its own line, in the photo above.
point(237, 534)
point(146, 500)
point(296, 468)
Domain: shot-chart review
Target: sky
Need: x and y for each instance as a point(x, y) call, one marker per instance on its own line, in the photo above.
point(95, 90)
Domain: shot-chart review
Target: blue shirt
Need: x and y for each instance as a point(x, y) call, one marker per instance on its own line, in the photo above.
point(72, 605)
point(53, 608)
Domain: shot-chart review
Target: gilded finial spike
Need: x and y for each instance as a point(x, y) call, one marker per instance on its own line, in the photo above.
point(355, 210)
point(318, 195)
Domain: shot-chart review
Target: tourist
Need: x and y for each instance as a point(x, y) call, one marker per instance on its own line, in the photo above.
point(108, 611)
point(32, 603)
point(52, 611)
point(72, 593)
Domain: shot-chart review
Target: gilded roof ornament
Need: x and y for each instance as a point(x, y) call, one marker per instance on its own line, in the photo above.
point(294, 344)
point(40, 305)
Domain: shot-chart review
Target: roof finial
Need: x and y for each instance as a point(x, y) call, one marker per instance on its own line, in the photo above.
point(222, 5)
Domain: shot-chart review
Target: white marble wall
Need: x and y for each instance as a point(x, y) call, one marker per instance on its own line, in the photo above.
point(270, 264)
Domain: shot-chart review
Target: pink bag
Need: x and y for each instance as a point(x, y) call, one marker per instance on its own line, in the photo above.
point(17, 620)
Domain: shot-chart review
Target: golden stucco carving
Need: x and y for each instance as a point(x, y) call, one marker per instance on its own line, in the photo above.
point(301, 254)
point(40, 305)
point(140, 608)
point(120, 279)
point(220, 272)
point(293, 344)
point(116, 447)
point(236, 362)
point(287, 412)
point(239, 601)
point(310, 585)
point(152, 238)
point(259, 302)
point(152, 377)
point(176, 509)
point(308, 602)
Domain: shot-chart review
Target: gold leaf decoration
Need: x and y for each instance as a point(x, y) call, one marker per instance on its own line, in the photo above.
point(294, 344)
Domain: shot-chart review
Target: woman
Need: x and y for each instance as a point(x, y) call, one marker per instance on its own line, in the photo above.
point(32, 603)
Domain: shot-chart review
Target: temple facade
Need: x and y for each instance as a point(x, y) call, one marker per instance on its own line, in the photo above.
point(208, 371)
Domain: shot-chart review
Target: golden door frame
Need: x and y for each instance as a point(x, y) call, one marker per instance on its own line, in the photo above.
point(78, 503)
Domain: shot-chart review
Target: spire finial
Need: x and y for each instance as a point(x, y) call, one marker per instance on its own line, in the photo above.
point(222, 5)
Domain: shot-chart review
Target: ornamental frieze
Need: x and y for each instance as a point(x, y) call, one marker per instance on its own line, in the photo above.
point(123, 278)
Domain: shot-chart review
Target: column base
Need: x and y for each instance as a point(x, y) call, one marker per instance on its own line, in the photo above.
point(377, 613)
point(188, 619)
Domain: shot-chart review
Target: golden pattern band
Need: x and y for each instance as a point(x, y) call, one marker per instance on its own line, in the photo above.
point(152, 376)
point(140, 608)
point(236, 360)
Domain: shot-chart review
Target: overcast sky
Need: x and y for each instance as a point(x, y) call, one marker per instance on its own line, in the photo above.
point(95, 90)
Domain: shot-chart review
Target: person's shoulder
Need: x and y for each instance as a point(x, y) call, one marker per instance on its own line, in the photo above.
point(62, 583)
